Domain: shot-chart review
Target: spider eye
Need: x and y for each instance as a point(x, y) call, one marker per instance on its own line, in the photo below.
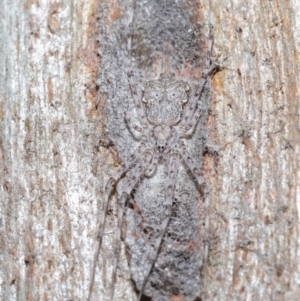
point(155, 95)
point(173, 95)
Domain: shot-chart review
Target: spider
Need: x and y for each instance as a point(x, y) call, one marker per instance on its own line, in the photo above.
point(167, 116)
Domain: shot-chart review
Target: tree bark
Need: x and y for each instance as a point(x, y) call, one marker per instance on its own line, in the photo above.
point(56, 156)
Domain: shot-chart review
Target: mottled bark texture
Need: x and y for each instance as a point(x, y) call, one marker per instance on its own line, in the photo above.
point(55, 154)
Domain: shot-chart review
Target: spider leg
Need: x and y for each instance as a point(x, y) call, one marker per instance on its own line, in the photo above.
point(201, 182)
point(108, 187)
point(133, 127)
point(172, 175)
point(193, 106)
point(193, 111)
point(152, 167)
point(132, 181)
point(137, 96)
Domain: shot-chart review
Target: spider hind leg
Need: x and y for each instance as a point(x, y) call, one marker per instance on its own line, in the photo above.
point(202, 184)
point(132, 180)
point(107, 191)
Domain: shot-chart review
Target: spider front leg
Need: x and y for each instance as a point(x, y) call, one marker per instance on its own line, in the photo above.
point(172, 175)
point(137, 97)
point(193, 110)
point(108, 187)
point(201, 182)
point(133, 127)
point(139, 171)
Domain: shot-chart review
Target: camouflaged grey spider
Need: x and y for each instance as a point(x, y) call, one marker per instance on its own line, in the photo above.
point(164, 125)
point(167, 116)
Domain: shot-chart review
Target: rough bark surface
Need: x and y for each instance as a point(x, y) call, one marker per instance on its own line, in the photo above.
point(55, 155)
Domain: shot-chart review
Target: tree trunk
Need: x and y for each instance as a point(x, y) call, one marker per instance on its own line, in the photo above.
point(56, 155)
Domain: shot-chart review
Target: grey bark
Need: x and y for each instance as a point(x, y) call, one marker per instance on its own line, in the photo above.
point(53, 167)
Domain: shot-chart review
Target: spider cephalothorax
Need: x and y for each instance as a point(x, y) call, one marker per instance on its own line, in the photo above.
point(164, 100)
